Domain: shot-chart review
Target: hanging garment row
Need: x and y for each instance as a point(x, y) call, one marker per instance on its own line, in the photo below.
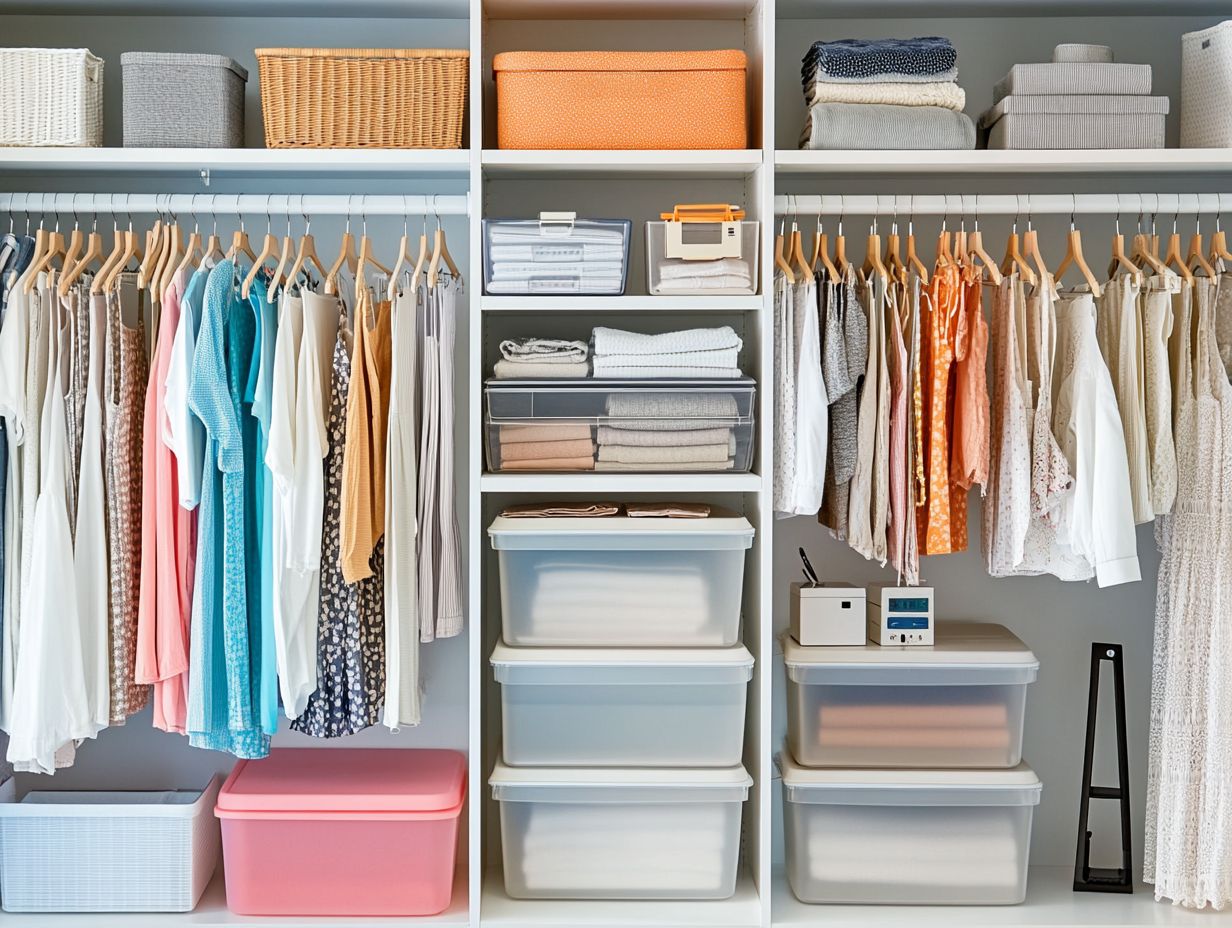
point(228, 478)
point(1079, 412)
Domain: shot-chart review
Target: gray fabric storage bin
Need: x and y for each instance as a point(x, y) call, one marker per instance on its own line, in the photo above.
point(1086, 131)
point(176, 100)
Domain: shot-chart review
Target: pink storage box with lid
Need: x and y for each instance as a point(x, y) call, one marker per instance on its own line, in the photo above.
point(334, 831)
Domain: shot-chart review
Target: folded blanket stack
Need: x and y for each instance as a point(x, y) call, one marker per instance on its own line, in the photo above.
point(1081, 99)
point(673, 432)
point(694, 353)
point(677, 276)
point(591, 259)
point(538, 358)
point(884, 94)
point(550, 447)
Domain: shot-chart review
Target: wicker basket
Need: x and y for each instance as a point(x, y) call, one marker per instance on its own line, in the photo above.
point(53, 96)
point(363, 98)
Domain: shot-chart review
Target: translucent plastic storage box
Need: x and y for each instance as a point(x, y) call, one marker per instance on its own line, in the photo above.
point(620, 834)
point(556, 254)
point(106, 851)
point(960, 703)
point(908, 837)
point(630, 426)
point(343, 832)
point(670, 276)
point(621, 582)
point(577, 707)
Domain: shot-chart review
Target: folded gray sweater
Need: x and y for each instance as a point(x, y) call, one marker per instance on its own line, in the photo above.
point(857, 126)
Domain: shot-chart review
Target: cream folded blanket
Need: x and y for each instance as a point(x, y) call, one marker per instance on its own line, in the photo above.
point(546, 450)
point(651, 438)
point(555, 284)
point(518, 270)
point(539, 370)
point(617, 341)
point(605, 372)
point(510, 434)
point(579, 463)
point(955, 738)
point(673, 269)
point(636, 454)
point(721, 282)
point(684, 466)
point(940, 715)
point(549, 251)
point(934, 93)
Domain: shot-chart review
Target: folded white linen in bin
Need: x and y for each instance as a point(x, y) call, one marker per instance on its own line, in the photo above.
point(603, 371)
point(652, 438)
point(529, 234)
point(528, 270)
point(560, 283)
point(543, 877)
point(917, 870)
point(685, 284)
point(667, 455)
point(668, 406)
point(545, 350)
point(681, 467)
point(557, 251)
point(618, 341)
point(675, 269)
point(946, 94)
point(725, 358)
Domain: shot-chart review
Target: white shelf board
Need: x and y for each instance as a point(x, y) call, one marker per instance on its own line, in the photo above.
point(621, 304)
point(620, 483)
point(376, 9)
point(554, 163)
point(618, 9)
point(1110, 161)
point(235, 161)
point(881, 9)
point(1051, 902)
point(212, 912)
point(743, 910)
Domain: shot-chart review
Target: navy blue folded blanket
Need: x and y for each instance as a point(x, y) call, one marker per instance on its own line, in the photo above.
point(862, 59)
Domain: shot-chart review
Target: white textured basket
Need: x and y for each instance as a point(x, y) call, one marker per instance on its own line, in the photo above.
point(107, 852)
point(53, 96)
point(1206, 87)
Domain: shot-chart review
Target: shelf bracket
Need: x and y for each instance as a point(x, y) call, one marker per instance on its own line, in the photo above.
point(1105, 879)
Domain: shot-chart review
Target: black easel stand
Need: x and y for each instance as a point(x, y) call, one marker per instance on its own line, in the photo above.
point(1105, 879)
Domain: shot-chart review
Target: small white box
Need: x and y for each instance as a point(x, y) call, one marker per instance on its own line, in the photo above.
point(900, 615)
point(827, 614)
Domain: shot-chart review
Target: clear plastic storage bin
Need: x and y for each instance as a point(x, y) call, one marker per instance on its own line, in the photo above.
point(960, 703)
point(908, 837)
point(620, 834)
point(574, 707)
point(556, 254)
point(648, 426)
point(621, 582)
point(106, 851)
point(702, 275)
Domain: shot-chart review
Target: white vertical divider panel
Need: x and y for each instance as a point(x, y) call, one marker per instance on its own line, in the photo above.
point(474, 527)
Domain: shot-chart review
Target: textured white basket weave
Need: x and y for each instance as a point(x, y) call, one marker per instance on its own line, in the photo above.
point(53, 96)
point(1206, 88)
point(107, 852)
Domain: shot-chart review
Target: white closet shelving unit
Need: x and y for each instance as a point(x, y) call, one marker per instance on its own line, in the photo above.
point(463, 709)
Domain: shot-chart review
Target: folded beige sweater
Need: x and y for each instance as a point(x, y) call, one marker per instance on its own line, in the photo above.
point(945, 94)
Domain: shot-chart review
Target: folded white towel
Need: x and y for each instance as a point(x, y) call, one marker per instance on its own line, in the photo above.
point(687, 467)
point(586, 283)
point(667, 456)
point(527, 270)
point(685, 284)
point(919, 871)
point(543, 350)
point(651, 438)
point(655, 373)
point(946, 94)
point(553, 251)
point(672, 268)
point(720, 357)
point(617, 341)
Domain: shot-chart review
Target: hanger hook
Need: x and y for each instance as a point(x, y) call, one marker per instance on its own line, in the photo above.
point(842, 212)
point(1073, 212)
point(269, 219)
point(911, 215)
point(1219, 212)
point(406, 219)
point(436, 213)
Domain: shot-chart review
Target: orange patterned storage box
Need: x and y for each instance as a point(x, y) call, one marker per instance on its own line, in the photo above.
point(656, 100)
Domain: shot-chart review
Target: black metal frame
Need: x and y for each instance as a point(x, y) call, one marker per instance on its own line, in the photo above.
point(1105, 879)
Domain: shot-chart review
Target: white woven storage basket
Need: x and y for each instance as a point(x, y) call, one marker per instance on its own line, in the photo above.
point(1206, 88)
point(107, 851)
point(53, 96)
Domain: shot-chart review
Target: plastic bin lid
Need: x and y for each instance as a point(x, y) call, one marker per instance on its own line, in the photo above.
point(862, 778)
point(980, 644)
point(346, 780)
point(657, 527)
point(180, 60)
point(620, 784)
point(720, 60)
point(621, 666)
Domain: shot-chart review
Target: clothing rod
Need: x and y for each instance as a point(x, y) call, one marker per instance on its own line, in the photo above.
point(1003, 204)
point(248, 204)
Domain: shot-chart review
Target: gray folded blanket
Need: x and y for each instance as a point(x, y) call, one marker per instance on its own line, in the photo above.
point(873, 126)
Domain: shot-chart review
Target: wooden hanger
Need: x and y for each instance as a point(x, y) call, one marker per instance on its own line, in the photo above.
point(153, 246)
point(780, 261)
point(405, 258)
point(821, 252)
point(117, 251)
point(440, 252)
point(1173, 259)
point(796, 249)
point(841, 261)
point(421, 261)
point(872, 256)
point(166, 270)
point(286, 257)
point(347, 257)
point(1196, 259)
point(1119, 259)
point(240, 244)
point(192, 250)
point(944, 255)
point(913, 259)
point(893, 258)
point(1074, 256)
point(53, 245)
point(975, 249)
point(1031, 251)
point(213, 247)
point(307, 252)
point(93, 252)
point(132, 251)
point(72, 252)
point(1219, 240)
point(269, 250)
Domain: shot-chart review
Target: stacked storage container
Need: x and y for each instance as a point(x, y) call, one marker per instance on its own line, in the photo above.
point(623, 690)
point(903, 781)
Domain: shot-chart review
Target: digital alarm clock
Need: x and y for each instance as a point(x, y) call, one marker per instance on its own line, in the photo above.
point(900, 615)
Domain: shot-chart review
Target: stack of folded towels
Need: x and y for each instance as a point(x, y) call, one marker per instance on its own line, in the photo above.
point(884, 94)
point(676, 432)
point(694, 353)
point(549, 447)
point(592, 260)
point(1081, 99)
point(537, 358)
point(677, 276)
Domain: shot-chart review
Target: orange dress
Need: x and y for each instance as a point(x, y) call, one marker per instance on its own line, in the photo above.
point(941, 523)
point(971, 429)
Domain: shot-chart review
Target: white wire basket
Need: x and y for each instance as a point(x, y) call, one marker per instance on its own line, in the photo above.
point(106, 851)
point(53, 96)
point(1206, 87)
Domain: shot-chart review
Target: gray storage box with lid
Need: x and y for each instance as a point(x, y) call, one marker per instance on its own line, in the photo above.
point(176, 100)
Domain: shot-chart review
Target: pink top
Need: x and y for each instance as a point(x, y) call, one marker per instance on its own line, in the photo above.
point(169, 543)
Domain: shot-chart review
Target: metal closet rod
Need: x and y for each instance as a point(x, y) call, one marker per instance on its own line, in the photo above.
point(250, 204)
point(1001, 204)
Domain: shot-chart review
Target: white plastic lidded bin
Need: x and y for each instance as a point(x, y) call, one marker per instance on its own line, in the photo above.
point(908, 837)
point(576, 707)
point(959, 703)
point(621, 582)
point(116, 851)
point(620, 833)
